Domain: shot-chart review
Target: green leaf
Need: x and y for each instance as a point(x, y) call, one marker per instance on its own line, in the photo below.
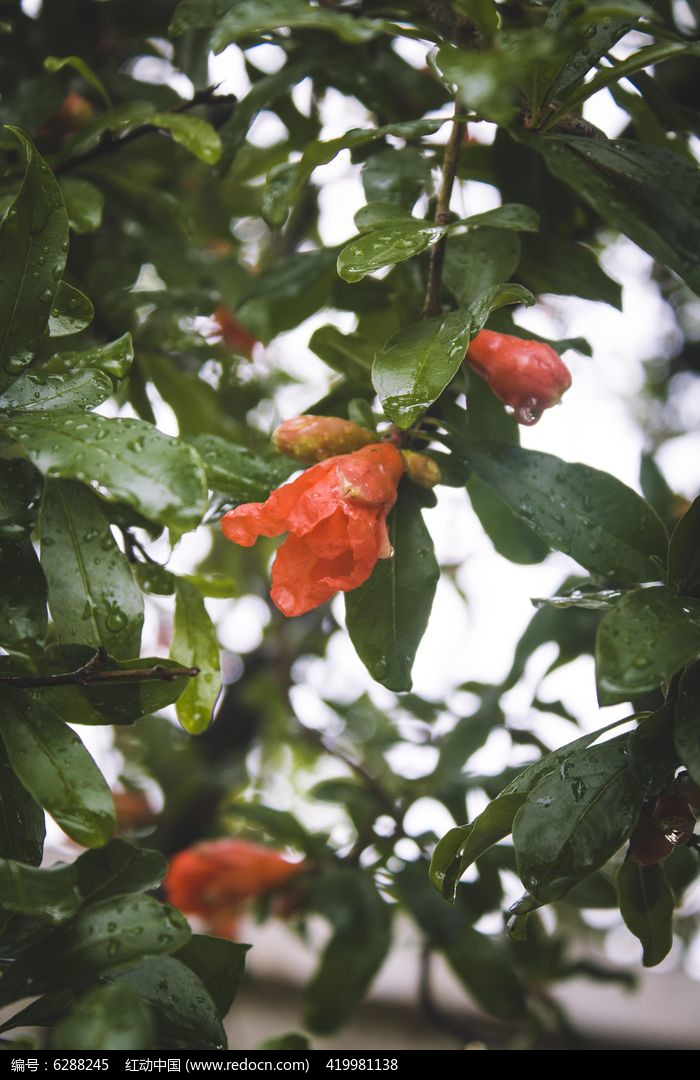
point(57, 63)
point(375, 215)
point(479, 260)
point(195, 645)
point(687, 727)
point(113, 359)
point(387, 616)
point(104, 936)
point(84, 204)
point(416, 365)
point(646, 904)
point(486, 81)
point(354, 953)
point(51, 893)
point(551, 265)
point(20, 493)
point(581, 511)
point(483, 13)
point(575, 819)
point(396, 176)
point(23, 618)
point(33, 245)
point(647, 636)
point(293, 1041)
point(653, 758)
point(71, 311)
point(385, 246)
point(647, 192)
point(118, 868)
point(350, 354)
point(185, 1014)
point(220, 964)
point(684, 552)
point(239, 473)
point(509, 534)
point(108, 1018)
point(129, 460)
point(250, 19)
point(195, 134)
point(93, 597)
point(22, 826)
point(56, 769)
point(459, 847)
point(511, 216)
point(39, 391)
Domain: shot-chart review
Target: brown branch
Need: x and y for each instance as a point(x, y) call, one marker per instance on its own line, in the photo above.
point(442, 216)
point(451, 24)
point(108, 144)
point(93, 672)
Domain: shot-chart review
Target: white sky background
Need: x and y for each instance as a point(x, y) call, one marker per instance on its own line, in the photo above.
point(595, 425)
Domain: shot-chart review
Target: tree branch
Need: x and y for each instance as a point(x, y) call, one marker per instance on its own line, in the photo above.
point(93, 672)
point(442, 216)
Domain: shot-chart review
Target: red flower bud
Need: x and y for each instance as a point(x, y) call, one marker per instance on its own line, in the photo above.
point(527, 375)
point(674, 818)
point(314, 438)
point(421, 469)
point(648, 845)
point(335, 514)
point(238, 338)
point(214, 878)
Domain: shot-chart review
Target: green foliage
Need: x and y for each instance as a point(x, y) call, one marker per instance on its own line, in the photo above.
point(155, 254)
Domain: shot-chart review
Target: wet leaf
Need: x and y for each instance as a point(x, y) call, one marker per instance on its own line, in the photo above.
point(195, 645)
point(219, 963)
point(71, 311)
point(646, 904)
point(385, 246)
point(39, 391)
point(108, 1018)
point(684, 552)
point(23, 616)
point(20, 493)
point(84, 204)
point(22, 825)
point(114, 359)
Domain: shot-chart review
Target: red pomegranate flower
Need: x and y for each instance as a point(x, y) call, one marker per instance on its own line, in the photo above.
point(335, 514)
point(527, 375)
point(213, 879)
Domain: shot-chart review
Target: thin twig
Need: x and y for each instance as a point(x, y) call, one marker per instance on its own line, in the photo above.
point(442, 216)
point(108, 144)
point(93, 671)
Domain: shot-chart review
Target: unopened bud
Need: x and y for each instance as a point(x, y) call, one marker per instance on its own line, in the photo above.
point(420, 469)
point(527, 375)
point(674, 818)
point(308, 439)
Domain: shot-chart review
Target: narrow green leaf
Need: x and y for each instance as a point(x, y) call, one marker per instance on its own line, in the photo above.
point(56, 769)
point(57, 63)
point(20, 494)
point(84, 204)
point(114, 359)
point(22, 826)
point(687, 728)
point(511, 216)
point(51, 893)
point(195, 134)
point(93, 597)
point(219, 963)
point(195, 645)
point(128, 460)
point(581, 511)
point(647, 192)
point(33, 245)
point(576, 818)
point(71, 311)
point(23, 617)
point(385, 246)
point(108, 1018)
point(184, 1012)
point(684, 552)
point(416, 365)
point(239, 473)
point(647, 636)
point(38, 391)
point(100, 938)
point(646, 904)
point(387, 616)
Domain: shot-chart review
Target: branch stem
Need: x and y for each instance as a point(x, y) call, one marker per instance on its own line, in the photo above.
point(442, 216)
point(93, 672)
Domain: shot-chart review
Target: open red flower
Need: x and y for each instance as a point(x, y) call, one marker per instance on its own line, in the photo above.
point(335, 514)
point(213, 879)
point(527, 375)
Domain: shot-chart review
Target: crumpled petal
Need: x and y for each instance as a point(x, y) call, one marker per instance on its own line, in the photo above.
point(335, 514)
